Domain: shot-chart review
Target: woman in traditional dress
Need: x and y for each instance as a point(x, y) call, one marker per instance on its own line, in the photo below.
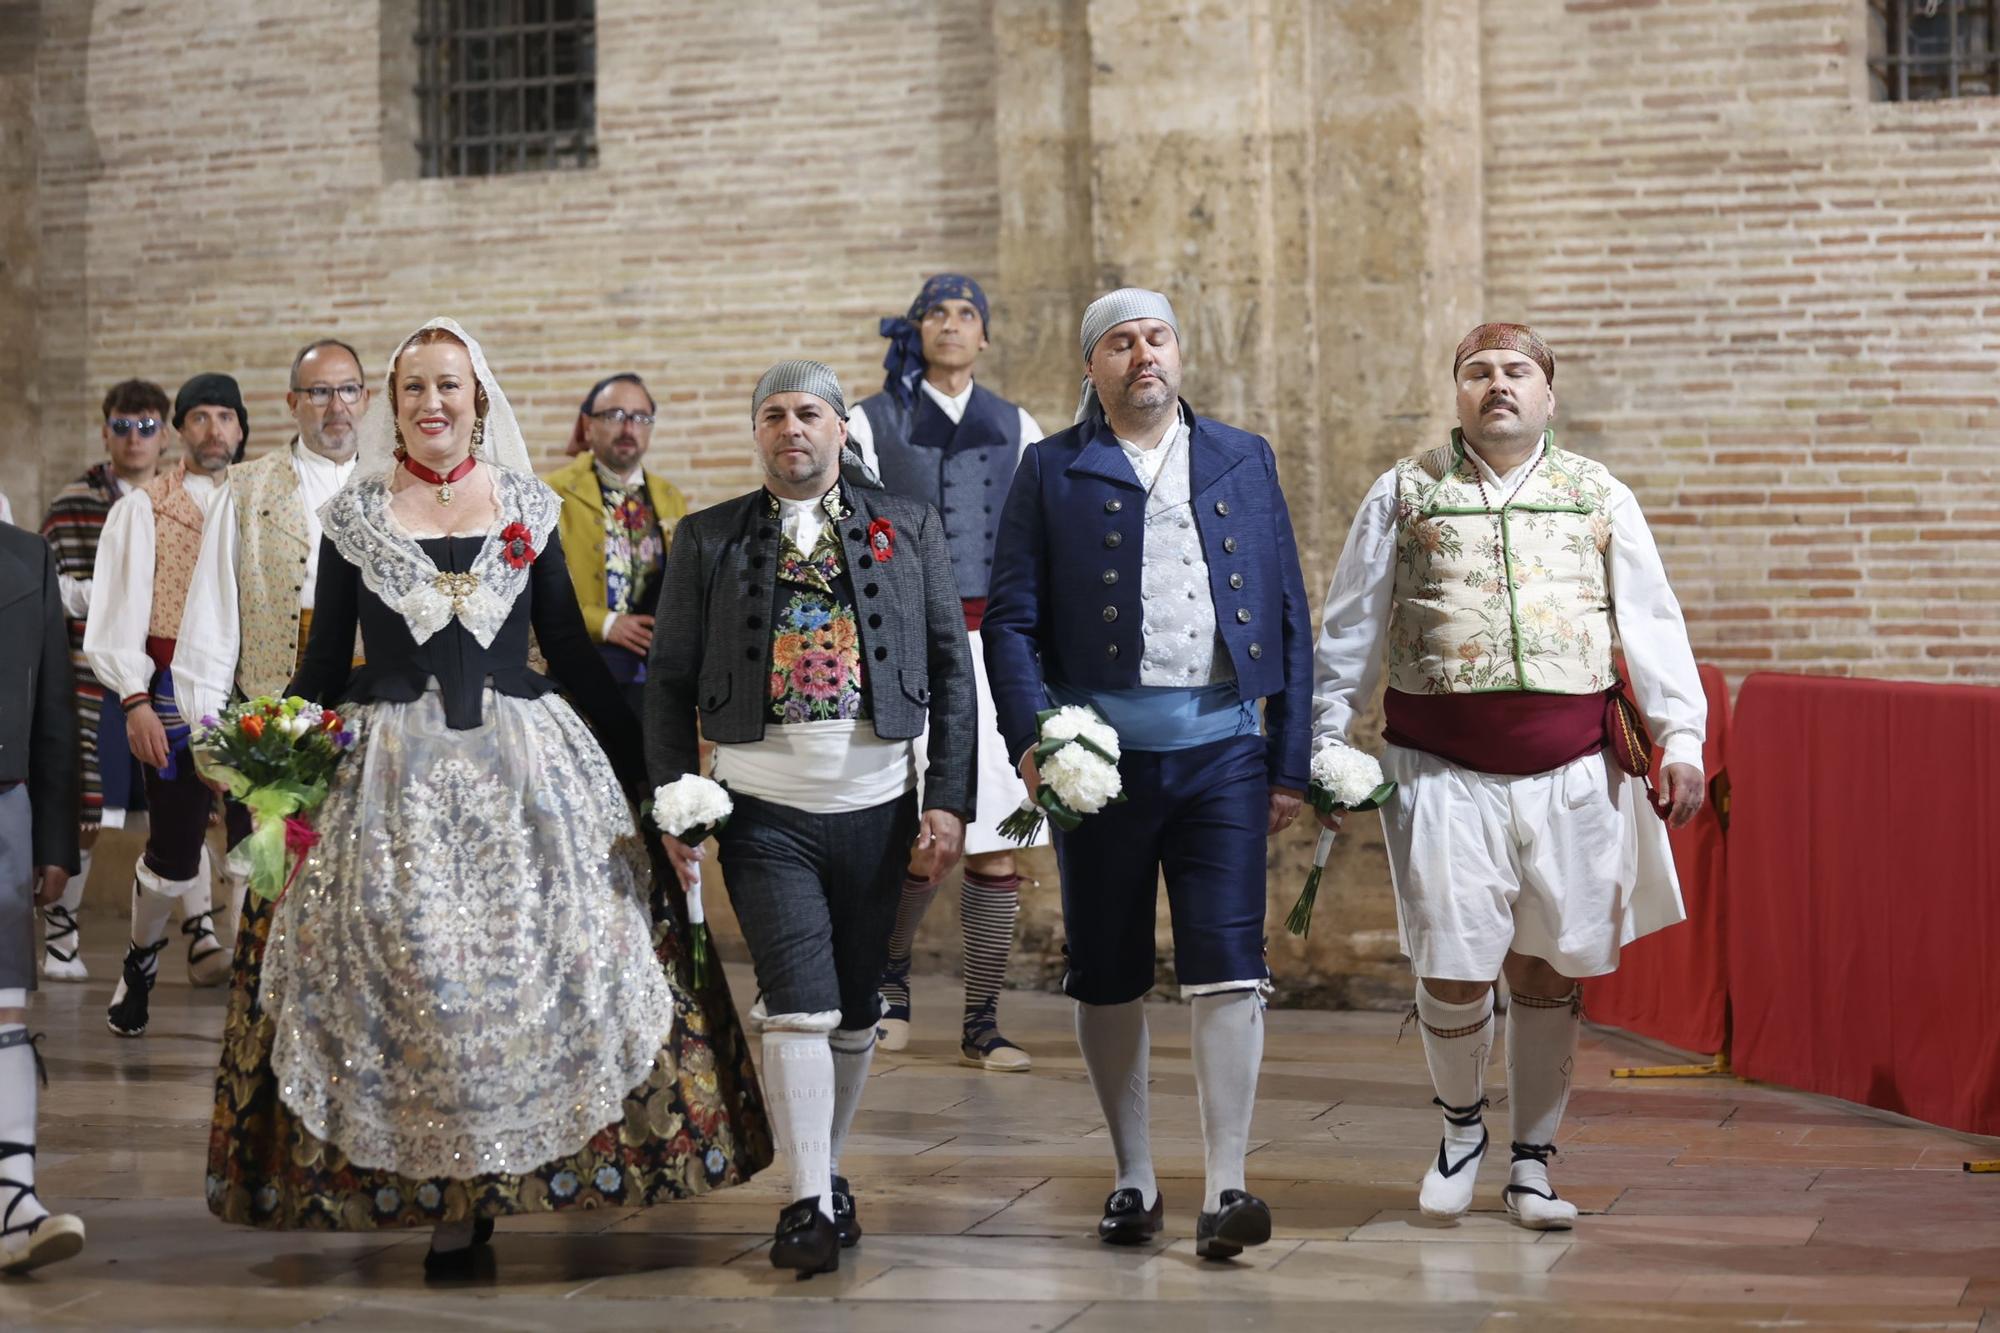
point(466, 1007)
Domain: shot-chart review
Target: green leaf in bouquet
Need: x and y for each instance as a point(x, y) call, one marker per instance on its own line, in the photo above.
point(209, 764)
point(1374, 800)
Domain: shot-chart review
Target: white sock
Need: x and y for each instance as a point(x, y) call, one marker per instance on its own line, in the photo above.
point(449, 1236)
point(17, 1114)
point(1457, 1061)
point(1228, 1049)
point(1541, 1055)
point(72, 894)
point(153, 899)
point(1116, 1051)
point(853, 1052)
point(799, 1096)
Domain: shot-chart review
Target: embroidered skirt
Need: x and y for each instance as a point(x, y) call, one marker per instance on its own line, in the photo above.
point(464, 1006)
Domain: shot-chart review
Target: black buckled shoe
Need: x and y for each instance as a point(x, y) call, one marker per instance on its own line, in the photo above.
point(807, 1242)
point(1127, 1220)
point(1242, 1221)
point(846, 1221)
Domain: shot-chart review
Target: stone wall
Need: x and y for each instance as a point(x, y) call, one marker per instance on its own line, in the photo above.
point(1776, 304)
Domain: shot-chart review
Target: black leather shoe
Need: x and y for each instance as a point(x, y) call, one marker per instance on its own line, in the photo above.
point(806, 1240)
point(482, 1230)
point(470, 1263)
point(1127, 1220)
point(845, 1220)
point(1243, 1220)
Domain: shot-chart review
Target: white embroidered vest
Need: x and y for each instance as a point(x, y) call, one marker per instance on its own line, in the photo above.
point(270, 570)
point(1458, 624)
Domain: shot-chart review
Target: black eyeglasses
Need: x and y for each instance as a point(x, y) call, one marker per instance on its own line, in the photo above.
point(618, 416)
point(147, 427)
point(322, 394)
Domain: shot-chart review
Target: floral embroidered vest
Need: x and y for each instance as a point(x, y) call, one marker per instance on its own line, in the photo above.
point(1516, 599)
point(816, 665)
point(177, 525)
point(270, 570)
point(635, 546)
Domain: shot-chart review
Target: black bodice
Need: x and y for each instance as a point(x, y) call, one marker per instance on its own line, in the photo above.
point(398, 669)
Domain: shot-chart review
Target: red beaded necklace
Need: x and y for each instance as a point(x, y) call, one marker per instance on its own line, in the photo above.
point(442, 482)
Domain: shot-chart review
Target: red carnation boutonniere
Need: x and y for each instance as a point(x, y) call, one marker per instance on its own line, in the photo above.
point(882, 540)
point(517, 545)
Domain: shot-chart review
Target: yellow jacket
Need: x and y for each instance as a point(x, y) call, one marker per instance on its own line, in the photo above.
point(582, 529)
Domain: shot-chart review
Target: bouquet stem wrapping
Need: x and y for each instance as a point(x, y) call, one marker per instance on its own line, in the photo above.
point(1300, 921)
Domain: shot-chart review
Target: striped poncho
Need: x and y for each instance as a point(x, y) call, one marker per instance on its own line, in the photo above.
point(75, 520)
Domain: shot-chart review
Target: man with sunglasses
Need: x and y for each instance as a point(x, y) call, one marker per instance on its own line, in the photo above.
point(617, 521)
point(139, 587)
point(135, 413)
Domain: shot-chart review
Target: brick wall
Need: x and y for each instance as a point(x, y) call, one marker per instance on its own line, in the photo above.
point(772, 178)
point(1777, 310)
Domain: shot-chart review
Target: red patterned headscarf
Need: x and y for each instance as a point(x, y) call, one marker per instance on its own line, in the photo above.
point(1509, 338)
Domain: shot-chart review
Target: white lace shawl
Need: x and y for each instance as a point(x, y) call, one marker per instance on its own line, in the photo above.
point(397, 569)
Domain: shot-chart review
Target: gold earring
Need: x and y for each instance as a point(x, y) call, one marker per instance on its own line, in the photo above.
point(478, 435)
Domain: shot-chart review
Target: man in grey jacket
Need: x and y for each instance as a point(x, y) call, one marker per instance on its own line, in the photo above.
point(812, 627)
point(40, 784)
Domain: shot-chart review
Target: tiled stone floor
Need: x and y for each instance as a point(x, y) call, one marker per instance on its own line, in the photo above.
point(1710, 1205)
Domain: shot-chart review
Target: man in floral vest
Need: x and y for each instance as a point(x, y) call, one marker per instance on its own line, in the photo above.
point(617, 518)
point(811, 628)
point(1494, 577)
point(139, 587)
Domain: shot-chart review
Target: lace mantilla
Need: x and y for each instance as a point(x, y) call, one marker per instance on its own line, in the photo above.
point(398, 570)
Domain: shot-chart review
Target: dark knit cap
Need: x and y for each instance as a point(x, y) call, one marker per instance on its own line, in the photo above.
point(212, 389)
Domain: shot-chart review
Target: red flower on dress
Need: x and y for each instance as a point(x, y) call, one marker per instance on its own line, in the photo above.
point(517, 545)
point(882, 540)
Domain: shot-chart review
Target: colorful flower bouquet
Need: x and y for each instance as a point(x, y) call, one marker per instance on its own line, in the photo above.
point(691, 809)
point(1343, 778)
point(1077, 757)
point(274, 757)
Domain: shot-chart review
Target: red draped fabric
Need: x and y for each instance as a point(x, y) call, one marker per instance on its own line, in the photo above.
point(1864, 905)
point(1673, 984)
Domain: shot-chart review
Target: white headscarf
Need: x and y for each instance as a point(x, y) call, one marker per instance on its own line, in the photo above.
point(502, 445)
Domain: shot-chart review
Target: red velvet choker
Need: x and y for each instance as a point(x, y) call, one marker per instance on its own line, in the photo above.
point(442, 482)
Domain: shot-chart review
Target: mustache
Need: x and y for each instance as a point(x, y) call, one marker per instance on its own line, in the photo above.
point(1498, 399)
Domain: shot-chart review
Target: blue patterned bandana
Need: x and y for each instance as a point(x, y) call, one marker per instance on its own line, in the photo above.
point(905, 358)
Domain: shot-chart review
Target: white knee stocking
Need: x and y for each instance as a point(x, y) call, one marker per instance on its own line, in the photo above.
point(799, 1093)
point(1116, 1053)
point(1228, 1049)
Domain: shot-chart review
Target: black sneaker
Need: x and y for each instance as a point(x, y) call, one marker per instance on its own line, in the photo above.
point(128, 1012)
point(806, 1240)
point(1127, 1220)
point(1243, 1220)
point(845, 1220)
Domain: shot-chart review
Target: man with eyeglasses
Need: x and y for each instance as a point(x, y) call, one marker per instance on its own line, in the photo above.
point(617, 522)
point(139, 586)
point(933, 434)
point(135, 412)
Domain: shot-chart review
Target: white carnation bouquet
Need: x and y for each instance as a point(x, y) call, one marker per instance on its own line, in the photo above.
point(1346, 779)
point(1077, 757)
point(691, 809)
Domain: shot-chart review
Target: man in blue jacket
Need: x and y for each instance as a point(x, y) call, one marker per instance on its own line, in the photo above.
point(1145, 567)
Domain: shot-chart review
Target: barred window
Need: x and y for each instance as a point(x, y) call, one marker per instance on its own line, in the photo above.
point(506, 85)
point(1923, 50)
